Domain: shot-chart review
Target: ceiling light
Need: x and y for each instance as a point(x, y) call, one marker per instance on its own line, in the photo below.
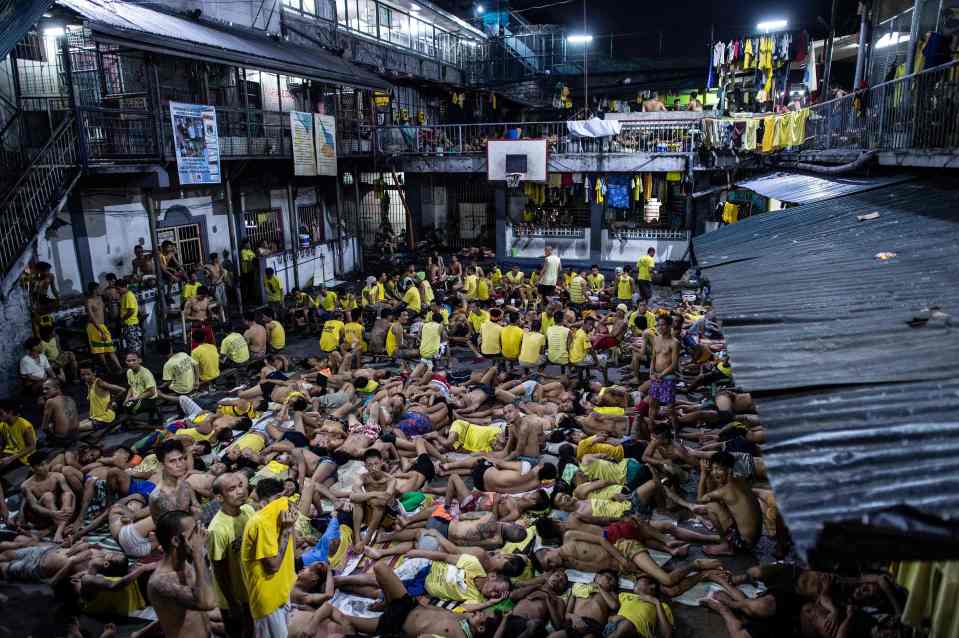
point(53, 32)
point(579, 39)
point(891, 39)
point(772, 25)
point(480, 9)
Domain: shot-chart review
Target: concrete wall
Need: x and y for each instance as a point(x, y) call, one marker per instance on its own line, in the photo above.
point(15, 317)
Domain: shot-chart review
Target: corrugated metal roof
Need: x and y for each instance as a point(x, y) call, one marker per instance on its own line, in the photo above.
point(862, 410)
point(144, 28)
point(16, 18)
point(798, 188)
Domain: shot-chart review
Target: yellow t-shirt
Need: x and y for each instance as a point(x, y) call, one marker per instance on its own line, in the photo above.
point(624, 288)
point(577, 290)
point(427, 293)
point(471, 282)
point(277, 334)
point(246, 261)
point(129, 302)
point(597, 281)
point(188, 291)
point(649, 317)
point(225, 533)
point(608, 509)
point(579, 347)
point(274, 289)
point(496, 277)
point(642, 614)
point(412, 299)
point(472, 437)
point(235, 348)
point(532, 348)
point(430, 335)
point(477, 321)
point(557, 339)
point(600, 470)
point(380, 291)
point(330, 338)
point(353, 333)
point(546, 321)
point(141, 380)
point(644, 268)
point(490, 338)
point(208, 359)
point(267, 592)
point(456, 582)
point(327, 301)
point(348, 302)
point(178, 370)
point(100, 405)
point(589, 445)
point(515, 278)
point(482, 289)
point(51, 349)
point(369, 296)
point(14, 437)
point(392, 341)
point(512, 340)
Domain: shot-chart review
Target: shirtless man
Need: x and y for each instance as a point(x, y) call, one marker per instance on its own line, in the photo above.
point(142, 263)
point(61, 421)
point(181, 588)
point(537, 608)
point(662, 373)
point(25, 560)
point(510, 477)
point(98, 335)
point(50, 503)
point(590, 552)
point(130, 524)
point(255, 335)
point(732, 508)
point(197, 307)
point(507, 508)
point(476, 529)
point(379, 489)
point(653, 104)
point(173, 492)
point(71, 464)
point(588, 612)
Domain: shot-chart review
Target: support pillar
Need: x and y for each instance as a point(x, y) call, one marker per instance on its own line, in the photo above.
point(500, 202)
point(163, 328)
point(596, 233)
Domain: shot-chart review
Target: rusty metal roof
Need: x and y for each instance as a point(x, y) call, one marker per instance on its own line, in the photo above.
point(861, 404)
point(802, 188)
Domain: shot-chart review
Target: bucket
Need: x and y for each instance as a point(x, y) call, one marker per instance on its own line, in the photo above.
point(305, 240)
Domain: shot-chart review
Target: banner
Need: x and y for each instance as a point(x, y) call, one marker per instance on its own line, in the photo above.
point(304, 146)
point(196, 142)
point(325, 144)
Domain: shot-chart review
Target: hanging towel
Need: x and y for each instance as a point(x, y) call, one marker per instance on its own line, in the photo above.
point(617, 191)
point(749, 137)
point(600, 191)
point(811, 79)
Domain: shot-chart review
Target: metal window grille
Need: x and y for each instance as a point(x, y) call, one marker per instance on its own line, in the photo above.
point(189, 247)
point(311, 220)
point(264, 225)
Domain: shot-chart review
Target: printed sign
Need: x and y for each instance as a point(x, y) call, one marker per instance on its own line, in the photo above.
point(304, 145)
point(196, 142)
point(325, 144)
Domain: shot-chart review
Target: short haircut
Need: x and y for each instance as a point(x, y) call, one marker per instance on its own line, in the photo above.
point(268, 313)
point(514, 566)
point(724, 459)
point(547, 472)
point(249, 316)
point(361, 382)
point(31, 343)
point(559, 316)
point(38, 458)
point(168, 446)
point(169, 527)
point(541, 500)
point(199, 335)
point(372, 453)
point(9, 405)
point(219, 481)
point(537, 325)
point(268, 487)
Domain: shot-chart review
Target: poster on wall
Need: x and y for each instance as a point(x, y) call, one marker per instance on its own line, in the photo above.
point(325, 144)
point(196, 142)
point(304, 146)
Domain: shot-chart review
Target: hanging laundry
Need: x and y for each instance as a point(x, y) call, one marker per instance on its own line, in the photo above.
point(647, 186)
point(730, 213)
point(618, 191)
point(747, 54)
point(567, 180)
point(600, 191)
point(739, 130)
point(769, 132)
point(587, 191)
point(555, 180)
point(749, 137)
point(637, 186)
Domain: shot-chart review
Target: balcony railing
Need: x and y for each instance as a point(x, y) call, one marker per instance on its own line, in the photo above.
point(661, 136)
point(916, 112)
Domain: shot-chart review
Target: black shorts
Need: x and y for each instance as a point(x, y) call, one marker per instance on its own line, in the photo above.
point(424, 465)
point(298, 439)
point(394, 617)
point(634, 450)
point(478, 472)
point(546, 291)
point(645, 290)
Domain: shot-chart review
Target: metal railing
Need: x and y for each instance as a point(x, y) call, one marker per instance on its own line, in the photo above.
point(47, 179)
point(914, 112)
point(664, 136)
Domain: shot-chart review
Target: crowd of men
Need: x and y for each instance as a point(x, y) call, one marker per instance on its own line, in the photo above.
point(452, 459)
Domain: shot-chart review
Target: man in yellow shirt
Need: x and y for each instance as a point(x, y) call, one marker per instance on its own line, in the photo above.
point(179, 372)
point(490, 332)
point(432, 337)
point(17, 435)
point(511, 338)
point(234, 349)
point(207, 358)
point(275, 332)
point(578, 289)
point(100, 397)
point(266, 558)
point(580, 347)
point(596, 280)
point(648, 616)
point(332, 332)
point(558, 338)
point(413, 300)
point(531, 349)
point(644, 273)
point(624, 285)
point(274, 290)
point(130, 318)
point(188, 290)
point(327, 300)
point(225, 536)
point(247, 270)
point(141, 397)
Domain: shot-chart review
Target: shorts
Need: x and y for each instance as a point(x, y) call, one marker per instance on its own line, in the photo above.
point(645, 290)
point(634, 449)
point(529, 388)
point(132, 543)
point(397, 611)
point(605, 343)
point(626, 530)
point(273, 625)
point(745, 466)
point(142, 487)
point(663, 390)
point(100, 339)
point(27, 563)
point(640, 508)
point(478, 472)
point(133, 338)
point(630, 548)
point(546, 291)
point(441, 525)
point(424, 465)
point(636, 474)
point(298, 439)
point(67, 441)
point(333, 400)
point(415, 424)
point(735, 540)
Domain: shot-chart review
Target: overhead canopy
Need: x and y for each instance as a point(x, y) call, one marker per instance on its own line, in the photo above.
point(16, 18)
point(139, 27)
point(799, 188)
point(861, 403)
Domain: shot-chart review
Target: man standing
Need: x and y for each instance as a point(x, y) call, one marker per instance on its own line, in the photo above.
point(226, 536)
point(141, 398)
point(549, 274)
point(694, 103)
point(644, 273)
point(182, 596)
point(653, 104)
point(266, 560)
point(662, 372)
point(98, 335)
point(130, 318)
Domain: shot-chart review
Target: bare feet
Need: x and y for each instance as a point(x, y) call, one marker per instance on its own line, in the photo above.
point(718, 550)
point(375, 554)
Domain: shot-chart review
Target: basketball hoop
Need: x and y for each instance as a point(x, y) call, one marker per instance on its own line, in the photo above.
point(512, 179)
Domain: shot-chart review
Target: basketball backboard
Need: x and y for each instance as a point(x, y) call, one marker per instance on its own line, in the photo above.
point(516, 156)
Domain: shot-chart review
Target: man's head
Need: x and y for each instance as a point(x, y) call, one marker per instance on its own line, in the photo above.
point(621, 310)
point(8, 410)
point(199, 336)
point(495, 586)
point(231, 489)
point(651, 252)
point(549, 250)
point(559, 317)
point(134, 361)
point(138, 251)
point(594, 269)
point(563, 501)
point(646, 585)
point(549, 559)
point(694, 95)
point(547, 472)
point(556, 581)
point(249, 318)
point(175, 532)
point(513, 533)
point(173, 458)
point(373, 460)
point(269, 272)
point(122, 285)
point(267, 491)
point(663, 325)
point(39, 464)
point(192, 277)
point(723, 463)
point(92, 289)
point(165, 347)
point(51, 388)
point(33, 346)
point(607, 580)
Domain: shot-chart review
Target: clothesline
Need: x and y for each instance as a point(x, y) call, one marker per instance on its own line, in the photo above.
point(764, 134)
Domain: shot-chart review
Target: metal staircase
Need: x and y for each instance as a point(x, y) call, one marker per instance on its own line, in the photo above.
point(31, 202)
